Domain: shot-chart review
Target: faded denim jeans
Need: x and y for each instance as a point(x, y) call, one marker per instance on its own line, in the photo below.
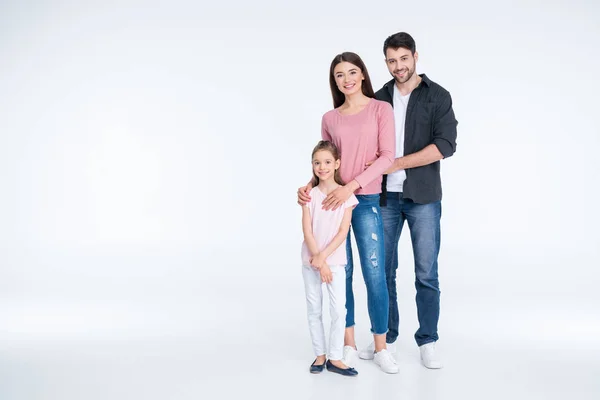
point(424, 225)
point(367, 225)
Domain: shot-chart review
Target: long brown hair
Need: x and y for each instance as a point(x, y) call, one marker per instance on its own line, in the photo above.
point(354, 59)
point(326, 145)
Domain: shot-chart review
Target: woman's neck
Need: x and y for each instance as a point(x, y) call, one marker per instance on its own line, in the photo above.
point(357, 99)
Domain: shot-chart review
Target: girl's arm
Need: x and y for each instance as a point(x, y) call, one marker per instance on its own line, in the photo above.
point(338, 238)
point(309, 238)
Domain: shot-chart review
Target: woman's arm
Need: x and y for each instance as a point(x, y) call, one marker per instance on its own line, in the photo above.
point(325, 135)
point(386, 141)
point(303, 192)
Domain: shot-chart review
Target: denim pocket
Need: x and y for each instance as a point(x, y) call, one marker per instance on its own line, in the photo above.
point(368, 198)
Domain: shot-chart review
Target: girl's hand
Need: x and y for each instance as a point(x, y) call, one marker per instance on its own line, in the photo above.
point(336, 198)
point(303, 194)
point(326, 275)
point(318, 261)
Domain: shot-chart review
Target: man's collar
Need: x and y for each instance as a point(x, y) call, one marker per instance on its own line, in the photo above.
point(390, 85)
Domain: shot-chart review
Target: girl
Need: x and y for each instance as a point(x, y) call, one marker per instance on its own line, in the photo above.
point(363, 129)
point(324, 259)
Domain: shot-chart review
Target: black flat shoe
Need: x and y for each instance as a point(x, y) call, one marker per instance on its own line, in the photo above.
point(346, 372)
point(316, 369)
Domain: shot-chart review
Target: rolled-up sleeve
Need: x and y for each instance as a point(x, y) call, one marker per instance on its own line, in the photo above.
point(386, 143)
point(444, 126)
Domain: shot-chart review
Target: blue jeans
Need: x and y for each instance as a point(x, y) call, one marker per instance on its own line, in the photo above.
point(368, 232)
point(424, 225)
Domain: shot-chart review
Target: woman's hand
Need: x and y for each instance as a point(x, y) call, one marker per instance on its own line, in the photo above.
point(304, 194)
point(336, 198)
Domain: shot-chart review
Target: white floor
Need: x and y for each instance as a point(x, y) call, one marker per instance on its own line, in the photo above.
point(163, 336)
point(175, 368)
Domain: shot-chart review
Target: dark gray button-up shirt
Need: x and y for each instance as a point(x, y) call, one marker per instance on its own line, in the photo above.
point(429, 120)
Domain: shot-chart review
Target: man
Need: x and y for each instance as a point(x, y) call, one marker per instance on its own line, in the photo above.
point(412, 191)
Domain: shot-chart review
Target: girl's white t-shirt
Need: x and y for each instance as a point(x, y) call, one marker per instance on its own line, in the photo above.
point(325, 225)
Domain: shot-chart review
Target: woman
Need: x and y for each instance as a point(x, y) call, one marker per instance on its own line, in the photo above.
point(363, 130)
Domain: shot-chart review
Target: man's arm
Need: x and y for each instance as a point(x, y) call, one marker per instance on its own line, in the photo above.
point(444, 139)
point(426, 156)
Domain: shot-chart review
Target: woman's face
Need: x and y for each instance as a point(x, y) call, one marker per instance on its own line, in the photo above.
point(348, 78)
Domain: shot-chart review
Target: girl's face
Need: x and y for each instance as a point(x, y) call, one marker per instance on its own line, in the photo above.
point(324, 165)
point(348, 78)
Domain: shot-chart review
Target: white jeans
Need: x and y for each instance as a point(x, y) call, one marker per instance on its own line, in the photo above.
point(337, 309)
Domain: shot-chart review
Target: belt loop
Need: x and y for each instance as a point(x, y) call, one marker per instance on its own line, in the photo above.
point(383, 195)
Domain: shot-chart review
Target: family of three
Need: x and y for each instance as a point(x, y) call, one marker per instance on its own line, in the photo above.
point(377, 166)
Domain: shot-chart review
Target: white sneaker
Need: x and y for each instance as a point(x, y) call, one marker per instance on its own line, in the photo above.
point(386, 362)
point(349, 357)
point(369, 352)
point(391, 347)
point(429, 357)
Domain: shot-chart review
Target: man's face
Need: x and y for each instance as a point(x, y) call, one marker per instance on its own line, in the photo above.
point(401, 63)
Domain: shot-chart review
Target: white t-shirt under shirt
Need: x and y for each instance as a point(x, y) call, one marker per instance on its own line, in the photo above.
point(325, 225)
point(395, 181)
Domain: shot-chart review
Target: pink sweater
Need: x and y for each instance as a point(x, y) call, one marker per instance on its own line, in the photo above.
point(359, 137)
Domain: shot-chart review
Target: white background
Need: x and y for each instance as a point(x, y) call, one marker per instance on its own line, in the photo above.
point(149, 159)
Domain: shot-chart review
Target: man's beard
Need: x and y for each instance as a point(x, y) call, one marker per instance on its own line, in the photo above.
point(408, 75)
